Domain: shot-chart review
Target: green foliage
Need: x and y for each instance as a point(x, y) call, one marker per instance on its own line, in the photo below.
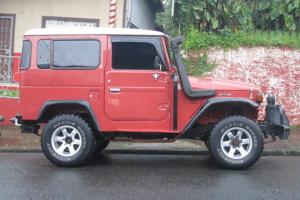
point(223, 17)
point(230, 24)
point(196, 40)
point(9, 93)
point(295, 128)
point(276, 14)
point(167, 20)
point(213, 15)
point(198, 65)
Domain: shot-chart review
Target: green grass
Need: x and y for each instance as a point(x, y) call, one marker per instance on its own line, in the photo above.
point(9, 93)
point(197, 66)
point(295, 127)
point(196, 40)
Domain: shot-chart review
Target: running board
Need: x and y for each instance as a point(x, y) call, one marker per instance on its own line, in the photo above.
point(143, 140)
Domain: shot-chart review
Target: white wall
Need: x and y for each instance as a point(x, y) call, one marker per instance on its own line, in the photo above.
point(29, 13)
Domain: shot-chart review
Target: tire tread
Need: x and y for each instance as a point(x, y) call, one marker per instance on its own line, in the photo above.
point(85, 125)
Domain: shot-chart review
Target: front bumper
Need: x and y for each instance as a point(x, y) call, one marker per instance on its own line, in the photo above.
point(276, 123)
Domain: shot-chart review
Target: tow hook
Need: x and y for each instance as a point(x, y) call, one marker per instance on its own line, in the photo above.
point(15, 121)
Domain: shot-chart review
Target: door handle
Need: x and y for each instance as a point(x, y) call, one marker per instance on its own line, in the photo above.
point(155, 75)
point(115, 90)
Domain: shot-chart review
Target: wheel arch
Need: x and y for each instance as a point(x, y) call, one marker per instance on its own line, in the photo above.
point(52, 108)
point(217, 102)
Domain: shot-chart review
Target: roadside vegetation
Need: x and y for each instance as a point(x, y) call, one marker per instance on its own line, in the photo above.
point(198, 43)
point(9, 93)
point(198, 65)
point(196, 40)
point(230, 24)
point(295, 127)
point(230, 16)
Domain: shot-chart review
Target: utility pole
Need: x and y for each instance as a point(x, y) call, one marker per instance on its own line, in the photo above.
point(173, 8)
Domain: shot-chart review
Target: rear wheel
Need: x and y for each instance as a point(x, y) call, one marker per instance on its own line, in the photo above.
point(236, 143)
point(67, 140)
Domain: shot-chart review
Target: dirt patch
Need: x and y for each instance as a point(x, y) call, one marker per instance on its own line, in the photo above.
point(11, 137)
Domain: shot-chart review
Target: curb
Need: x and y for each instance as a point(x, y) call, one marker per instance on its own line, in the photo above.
point(159, 152)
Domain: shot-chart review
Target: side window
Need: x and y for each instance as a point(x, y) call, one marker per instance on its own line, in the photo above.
point(43, 54)
point(76, 53)
point(26, 54)
point(134, 56)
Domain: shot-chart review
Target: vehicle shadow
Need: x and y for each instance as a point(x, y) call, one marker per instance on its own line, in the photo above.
point(151, 160)
point(140, 160)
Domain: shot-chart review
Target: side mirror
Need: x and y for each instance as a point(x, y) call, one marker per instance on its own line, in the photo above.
point(156, 64)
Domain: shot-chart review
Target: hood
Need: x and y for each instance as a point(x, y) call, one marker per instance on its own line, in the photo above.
point(210, 83)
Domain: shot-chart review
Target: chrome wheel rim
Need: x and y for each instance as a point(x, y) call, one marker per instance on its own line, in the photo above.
point(66, 140)
point(236, 143)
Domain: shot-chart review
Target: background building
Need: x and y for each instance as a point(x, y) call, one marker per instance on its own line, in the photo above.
point(16, 17)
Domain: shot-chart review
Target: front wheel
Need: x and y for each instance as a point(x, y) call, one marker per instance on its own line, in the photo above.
point(236, 142)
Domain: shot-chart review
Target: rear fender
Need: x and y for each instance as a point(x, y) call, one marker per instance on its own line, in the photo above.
point(68, 105)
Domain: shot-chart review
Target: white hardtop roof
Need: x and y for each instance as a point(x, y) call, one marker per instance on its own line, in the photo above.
point(92, 31)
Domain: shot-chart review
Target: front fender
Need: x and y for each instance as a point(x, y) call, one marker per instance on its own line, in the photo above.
point(218, 100)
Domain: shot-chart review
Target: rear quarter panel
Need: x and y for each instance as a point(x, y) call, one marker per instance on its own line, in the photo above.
point(37, 86)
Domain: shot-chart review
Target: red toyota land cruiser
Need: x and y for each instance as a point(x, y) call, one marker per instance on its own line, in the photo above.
point(87, 87)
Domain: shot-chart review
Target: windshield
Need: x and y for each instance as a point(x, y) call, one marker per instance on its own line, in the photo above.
point(171, 55)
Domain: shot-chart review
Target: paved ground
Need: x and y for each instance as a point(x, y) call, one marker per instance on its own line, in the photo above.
point(121, 176)
point(13, 140)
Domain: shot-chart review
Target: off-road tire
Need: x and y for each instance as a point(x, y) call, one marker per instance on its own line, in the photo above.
point(231, 123)
point(86, 149)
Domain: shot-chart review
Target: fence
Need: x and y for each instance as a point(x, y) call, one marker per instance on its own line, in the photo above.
point(9, 66)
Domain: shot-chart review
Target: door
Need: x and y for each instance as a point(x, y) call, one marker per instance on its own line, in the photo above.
point(137, 82)
point(6, 47)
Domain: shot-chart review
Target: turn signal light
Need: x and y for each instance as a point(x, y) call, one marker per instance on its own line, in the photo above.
point(259, 98)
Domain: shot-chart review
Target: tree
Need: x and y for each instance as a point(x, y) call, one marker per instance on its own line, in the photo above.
point(222, 16)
